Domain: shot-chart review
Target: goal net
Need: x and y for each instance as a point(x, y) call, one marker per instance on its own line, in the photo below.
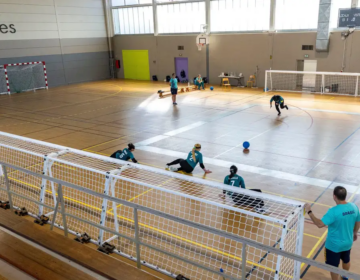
point(167, 246)
point(20, 77)
point(316, 82)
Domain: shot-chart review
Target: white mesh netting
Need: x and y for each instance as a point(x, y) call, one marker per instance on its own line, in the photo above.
point(316, 82)
point(23, 78)
point(192, 199)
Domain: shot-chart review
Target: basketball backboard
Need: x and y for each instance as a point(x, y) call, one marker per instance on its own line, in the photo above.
point(202, 40)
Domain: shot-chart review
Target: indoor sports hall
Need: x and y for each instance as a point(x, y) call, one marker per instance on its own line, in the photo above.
point(106, 104)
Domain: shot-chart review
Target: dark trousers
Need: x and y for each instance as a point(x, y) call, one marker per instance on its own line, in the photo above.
point(245, 200)
point(184, 165)
point(282, 106)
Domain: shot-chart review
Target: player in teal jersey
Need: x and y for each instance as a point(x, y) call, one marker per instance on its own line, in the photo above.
point(279, 101)
point(241, 199)
point(343, 222)
point(174, 88)
point(125, 154)
point(233, 180)
point(188, 165)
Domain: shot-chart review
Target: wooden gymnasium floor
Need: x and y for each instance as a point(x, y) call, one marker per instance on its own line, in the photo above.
point(300, 155)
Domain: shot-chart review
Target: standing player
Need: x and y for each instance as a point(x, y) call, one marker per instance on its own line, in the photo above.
point(233, 180)
point(278, 101)
point(125, 154)
point(174, 88)
point(343, 222)
point(190, 163)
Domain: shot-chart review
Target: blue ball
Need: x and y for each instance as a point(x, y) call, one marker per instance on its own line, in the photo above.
point(246, 145)
point(211, 88)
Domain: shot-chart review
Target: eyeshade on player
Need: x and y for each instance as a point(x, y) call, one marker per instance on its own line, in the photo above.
point(239, 199)
point(233, 180)
point(188, 165)
point(278, 101)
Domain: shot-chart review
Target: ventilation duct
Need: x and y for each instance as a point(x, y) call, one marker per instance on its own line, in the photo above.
point(323, 31)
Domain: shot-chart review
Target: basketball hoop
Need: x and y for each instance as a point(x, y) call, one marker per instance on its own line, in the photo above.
point(200, 46)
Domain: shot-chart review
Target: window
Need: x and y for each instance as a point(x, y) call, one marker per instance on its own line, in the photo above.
point(181, 18)
point(239, 15)
point(295, 14)
point(136, 20)
point(307, 47)
point(167, 1)
point(335, 6)
point(130, 2)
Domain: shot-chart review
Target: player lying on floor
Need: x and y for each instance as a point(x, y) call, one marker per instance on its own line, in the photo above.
point(190, 163)
point(236, 180)
point(125, 154)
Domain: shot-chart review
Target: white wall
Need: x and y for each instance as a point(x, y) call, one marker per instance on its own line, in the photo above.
point(52, 19)
point(69, 35)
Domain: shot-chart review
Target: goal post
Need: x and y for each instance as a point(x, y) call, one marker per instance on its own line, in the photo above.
point(334, 83)
point(265, 219)
point(26, 76)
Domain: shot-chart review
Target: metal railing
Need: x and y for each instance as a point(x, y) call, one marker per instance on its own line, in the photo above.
point(244, 241)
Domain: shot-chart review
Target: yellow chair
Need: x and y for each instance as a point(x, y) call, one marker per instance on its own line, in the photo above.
point(226, 83)
point(251, 81)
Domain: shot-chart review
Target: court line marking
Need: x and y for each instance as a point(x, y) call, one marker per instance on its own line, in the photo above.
point(158, 230)
point(254, 169)
point(330, 153)
point(325, 111)
point(169, 134)
point(252, 138)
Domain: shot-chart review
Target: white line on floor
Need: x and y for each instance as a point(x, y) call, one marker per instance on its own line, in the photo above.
point(257, 170)
point(321, 110)
point(169, 133)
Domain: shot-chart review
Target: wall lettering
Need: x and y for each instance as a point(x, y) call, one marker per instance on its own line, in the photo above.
point(7, 28)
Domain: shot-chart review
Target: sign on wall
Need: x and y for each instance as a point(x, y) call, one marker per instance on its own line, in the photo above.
point(7, 28)
point(349, 17)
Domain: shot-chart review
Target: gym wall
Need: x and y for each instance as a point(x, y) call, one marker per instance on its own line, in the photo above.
point(69, 35)
point(241, 53)
point(162, 51)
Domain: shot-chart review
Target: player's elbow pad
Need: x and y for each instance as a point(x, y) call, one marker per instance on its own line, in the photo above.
point(202, 165)
point(134, 160)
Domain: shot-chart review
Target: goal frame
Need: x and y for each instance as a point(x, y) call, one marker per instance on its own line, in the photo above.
point(24, 63)
point(50, 155)
point(269, 80)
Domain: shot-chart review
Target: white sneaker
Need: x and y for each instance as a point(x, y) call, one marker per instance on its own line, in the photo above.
point(167, 166)
point(173, 169)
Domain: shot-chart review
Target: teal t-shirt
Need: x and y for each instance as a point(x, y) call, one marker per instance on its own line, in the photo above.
point(280, 100)
point(341, 221)
point(125, 155)
point(235, 181)
point(173, 83)
point(190, 160)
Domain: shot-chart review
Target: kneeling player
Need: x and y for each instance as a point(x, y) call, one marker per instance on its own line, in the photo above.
point(242, 200)
point(125, 154)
